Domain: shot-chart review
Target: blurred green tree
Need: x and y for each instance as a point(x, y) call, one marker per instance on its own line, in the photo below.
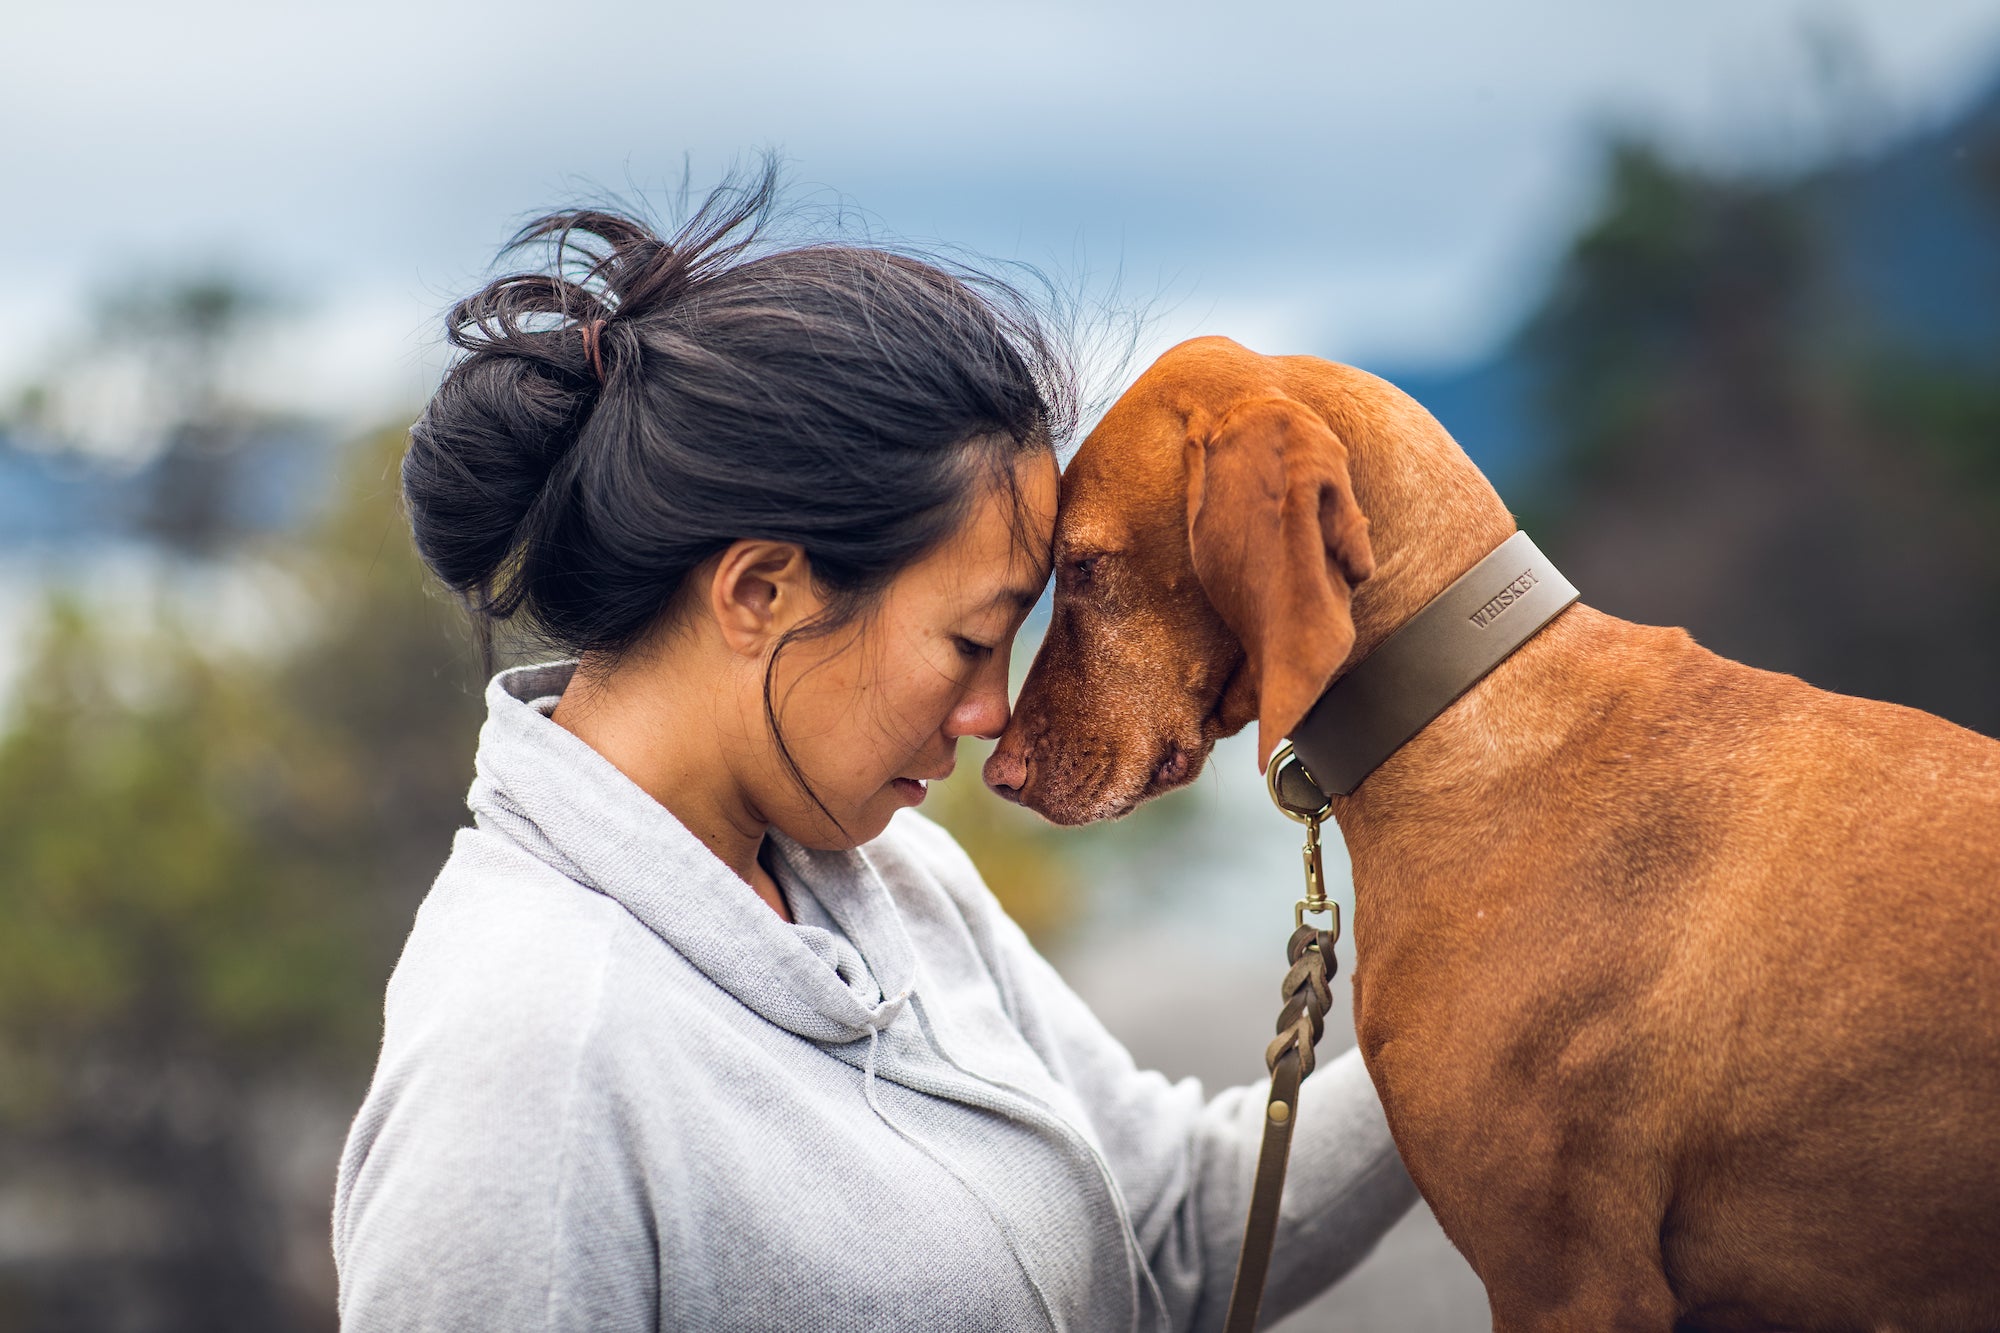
point(185, 330)
point(1742, 448)
point(207, 864)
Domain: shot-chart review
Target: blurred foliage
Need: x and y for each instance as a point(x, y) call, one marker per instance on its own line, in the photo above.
point(1742, 447)
point(1676, 265)
point(207, 864)
point(1951, 411)
point(203, 857)
point(185, 312)
point(165, 894)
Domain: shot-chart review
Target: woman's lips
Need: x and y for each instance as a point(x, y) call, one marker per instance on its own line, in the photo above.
point(910, 789)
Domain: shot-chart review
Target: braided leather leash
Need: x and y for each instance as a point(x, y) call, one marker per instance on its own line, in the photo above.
point(1308, 994)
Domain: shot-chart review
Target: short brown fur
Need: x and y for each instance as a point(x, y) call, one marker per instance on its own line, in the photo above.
point(1680, 980)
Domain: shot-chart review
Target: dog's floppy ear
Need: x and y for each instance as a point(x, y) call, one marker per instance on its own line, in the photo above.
point(1279, 543)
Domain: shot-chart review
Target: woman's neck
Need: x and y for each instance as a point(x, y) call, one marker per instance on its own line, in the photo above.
point(668, 743)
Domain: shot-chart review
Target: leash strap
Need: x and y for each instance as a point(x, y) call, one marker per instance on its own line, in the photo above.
point(1307, 993)
point(1260, 1234)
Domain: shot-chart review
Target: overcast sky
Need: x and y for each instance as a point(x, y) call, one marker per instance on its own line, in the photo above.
point(1383, 183)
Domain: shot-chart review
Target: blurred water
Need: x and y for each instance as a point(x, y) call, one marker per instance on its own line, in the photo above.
point(243, 602)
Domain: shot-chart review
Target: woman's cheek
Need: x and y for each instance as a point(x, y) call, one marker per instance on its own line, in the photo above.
point(922, 701)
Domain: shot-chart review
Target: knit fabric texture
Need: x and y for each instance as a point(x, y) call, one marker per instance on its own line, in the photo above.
point(617, 1091)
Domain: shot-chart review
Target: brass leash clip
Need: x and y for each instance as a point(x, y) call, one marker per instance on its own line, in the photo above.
point(1295, 793)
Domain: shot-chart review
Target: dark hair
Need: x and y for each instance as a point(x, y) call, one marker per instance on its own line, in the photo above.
point(844, 397)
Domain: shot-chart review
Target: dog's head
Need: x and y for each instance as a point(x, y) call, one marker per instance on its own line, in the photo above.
point(1207, 546)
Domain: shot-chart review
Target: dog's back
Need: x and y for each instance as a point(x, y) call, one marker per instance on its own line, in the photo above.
point(1726, 947)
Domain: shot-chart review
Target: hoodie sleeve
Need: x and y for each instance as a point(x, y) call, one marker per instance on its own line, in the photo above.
point(1185, 1163)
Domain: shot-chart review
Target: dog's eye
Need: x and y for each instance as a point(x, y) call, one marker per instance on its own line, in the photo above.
point(1084, 570)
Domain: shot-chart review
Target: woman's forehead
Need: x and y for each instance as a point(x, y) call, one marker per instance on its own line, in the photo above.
point(1000, 556)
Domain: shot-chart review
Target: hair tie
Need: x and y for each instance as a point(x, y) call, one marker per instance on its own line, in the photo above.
point(590, 332)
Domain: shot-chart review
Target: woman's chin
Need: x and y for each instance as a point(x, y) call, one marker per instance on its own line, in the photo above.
point(856, 826)
point(870, 820)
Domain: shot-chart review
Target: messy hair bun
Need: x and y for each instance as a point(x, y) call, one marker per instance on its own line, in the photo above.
point(639, 403)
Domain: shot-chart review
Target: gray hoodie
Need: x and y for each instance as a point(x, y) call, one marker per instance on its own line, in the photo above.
point(617, 1091)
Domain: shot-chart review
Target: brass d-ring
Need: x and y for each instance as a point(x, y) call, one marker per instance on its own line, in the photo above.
point(1295, 783)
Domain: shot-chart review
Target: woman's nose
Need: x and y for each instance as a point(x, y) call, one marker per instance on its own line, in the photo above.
point(983, 711)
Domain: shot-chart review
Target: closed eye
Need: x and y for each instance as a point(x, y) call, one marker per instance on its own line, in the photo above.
point(1084, 569)
point(971, 650)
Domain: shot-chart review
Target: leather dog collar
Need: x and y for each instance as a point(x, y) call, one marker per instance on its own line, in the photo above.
point(1419, 671)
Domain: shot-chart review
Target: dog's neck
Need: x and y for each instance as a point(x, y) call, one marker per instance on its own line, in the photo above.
point(1500, 740)
point(1380, 702)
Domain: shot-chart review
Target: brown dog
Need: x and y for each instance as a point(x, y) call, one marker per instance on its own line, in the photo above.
point(1680, 980)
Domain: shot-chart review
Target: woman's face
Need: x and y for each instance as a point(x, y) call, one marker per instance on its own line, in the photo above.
point(873, 711)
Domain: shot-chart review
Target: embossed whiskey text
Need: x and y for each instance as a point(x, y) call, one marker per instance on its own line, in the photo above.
point(1509, 595)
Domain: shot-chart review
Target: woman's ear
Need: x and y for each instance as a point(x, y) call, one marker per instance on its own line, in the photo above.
point(1279, 543)
point(759, 590)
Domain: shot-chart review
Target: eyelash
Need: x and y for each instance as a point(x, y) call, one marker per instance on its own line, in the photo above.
point(975, 652)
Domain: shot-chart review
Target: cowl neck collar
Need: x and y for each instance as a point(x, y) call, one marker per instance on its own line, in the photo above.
point(544, 789)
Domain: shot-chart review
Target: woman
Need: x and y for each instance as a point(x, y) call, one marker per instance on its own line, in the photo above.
point(701, 1026)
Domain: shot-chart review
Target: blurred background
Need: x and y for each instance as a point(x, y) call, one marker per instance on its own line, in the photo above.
point(1711, 291)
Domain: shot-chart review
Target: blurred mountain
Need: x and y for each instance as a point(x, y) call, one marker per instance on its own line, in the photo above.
point(1767, 408)
point(1489, 407)
point(266, 477)
point(1906, 236)
point(146, 430)
point(1909, 233)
